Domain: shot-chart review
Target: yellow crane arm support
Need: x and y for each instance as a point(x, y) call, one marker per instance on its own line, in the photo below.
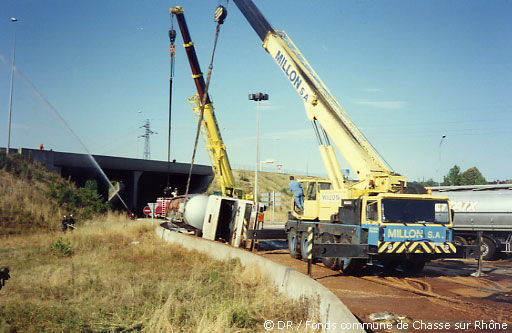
point(215, 147)
point(323, 108)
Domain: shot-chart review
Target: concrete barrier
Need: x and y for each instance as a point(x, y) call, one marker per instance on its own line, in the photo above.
point(294, 284)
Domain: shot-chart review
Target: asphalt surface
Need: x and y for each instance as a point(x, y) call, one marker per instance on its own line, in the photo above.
point(445, 297)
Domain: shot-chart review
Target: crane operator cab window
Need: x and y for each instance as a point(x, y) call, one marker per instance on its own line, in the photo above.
point(324, 186)
point(372, 211)
point(311, 192)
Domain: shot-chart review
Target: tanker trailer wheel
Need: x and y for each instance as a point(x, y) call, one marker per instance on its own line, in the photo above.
point(488, 249)
point(331, 263)
point(293, 243)
point(350, 266)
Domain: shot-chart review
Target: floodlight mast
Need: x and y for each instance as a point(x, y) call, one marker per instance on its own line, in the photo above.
point(13, 19)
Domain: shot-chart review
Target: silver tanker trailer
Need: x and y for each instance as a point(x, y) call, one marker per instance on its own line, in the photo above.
point(485, 208)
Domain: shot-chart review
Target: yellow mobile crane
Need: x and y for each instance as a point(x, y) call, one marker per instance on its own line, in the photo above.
point(372, 218)
point(209, 129)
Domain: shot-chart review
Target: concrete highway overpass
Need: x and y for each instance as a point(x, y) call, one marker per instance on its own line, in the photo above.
point(142, 181)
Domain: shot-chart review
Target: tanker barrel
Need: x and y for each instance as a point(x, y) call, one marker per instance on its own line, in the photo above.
point(195, 211)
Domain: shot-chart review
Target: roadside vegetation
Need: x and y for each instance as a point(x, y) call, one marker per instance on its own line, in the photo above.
point(116, 276)
point(33, 198)
point(113, 274)
point(471, 176)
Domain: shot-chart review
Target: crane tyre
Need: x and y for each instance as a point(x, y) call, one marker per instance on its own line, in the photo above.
point(304, 245)
point(413, 266)
point(488, 248)
point(293, 243)
point(331, 263)
point(350, 266)
point(459, 240)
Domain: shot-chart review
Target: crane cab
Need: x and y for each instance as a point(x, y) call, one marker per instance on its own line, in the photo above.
point(321, 201)
point(392, 220)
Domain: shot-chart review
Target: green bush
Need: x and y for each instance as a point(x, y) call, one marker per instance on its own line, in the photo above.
point(61, 248)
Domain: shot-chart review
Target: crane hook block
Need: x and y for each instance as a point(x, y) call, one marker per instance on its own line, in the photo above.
point(220, 14)
point(172, 35)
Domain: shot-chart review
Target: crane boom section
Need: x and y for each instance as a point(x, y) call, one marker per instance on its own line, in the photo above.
point(322, 106)
point(197, 75)
point(318, 101)
point(215, 147)
point(209, 127)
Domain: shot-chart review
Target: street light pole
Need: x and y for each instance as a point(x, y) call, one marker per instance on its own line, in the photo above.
point(439, 170)
point(13, 19)
point(258, 97)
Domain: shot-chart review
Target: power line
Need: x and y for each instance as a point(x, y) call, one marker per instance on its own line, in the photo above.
point(147, 134)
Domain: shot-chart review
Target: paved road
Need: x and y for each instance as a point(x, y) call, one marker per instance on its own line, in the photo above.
point(445, 294)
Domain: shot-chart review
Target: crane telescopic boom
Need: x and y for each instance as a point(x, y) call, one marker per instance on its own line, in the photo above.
point(210, 129)
point(330, 121)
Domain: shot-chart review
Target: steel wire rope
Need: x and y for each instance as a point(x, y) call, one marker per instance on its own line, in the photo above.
point(172, 39)
point(201, 114)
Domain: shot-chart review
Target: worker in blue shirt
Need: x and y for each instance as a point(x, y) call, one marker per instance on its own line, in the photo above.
point(296, 188)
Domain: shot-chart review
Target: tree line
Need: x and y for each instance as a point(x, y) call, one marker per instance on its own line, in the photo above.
point(471, 176)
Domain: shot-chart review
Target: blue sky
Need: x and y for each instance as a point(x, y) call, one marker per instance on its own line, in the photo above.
point(406, 72)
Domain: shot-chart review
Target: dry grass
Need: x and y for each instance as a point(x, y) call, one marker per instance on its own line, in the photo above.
point(33, 199)
point(120, 277)
point(25, 203)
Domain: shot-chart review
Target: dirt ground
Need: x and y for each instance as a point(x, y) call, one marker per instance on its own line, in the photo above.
point(445, 297)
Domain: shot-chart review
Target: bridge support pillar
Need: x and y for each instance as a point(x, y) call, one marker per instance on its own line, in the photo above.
point(135, 189)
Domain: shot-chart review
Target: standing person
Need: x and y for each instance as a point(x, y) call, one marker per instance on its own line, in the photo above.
point(71, 222)
point(64, 223)
point(296, 188)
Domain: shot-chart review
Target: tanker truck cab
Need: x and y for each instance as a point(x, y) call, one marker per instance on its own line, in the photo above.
point(408, 223)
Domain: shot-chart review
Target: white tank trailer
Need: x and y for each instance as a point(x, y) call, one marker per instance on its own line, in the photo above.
point(485, 208)
point(215, 217)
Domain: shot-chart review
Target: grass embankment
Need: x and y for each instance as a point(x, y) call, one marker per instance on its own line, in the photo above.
point(117, 276)
point(33, 198)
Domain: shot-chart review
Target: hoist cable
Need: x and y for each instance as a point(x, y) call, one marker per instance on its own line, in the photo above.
point(172, 39)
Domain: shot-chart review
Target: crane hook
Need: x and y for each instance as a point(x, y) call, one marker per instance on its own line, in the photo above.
point(220, 14)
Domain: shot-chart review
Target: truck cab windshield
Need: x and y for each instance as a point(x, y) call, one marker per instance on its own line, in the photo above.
point(415, 211)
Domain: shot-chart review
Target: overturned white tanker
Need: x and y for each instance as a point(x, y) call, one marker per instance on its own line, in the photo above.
point(214, 217)
point(485, 208)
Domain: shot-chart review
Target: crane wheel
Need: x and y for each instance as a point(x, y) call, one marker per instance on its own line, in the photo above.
point(304, 245)
point(293, 243)
point(331, 263)
point(459, 240)
point(413, 266)
point(350, 266)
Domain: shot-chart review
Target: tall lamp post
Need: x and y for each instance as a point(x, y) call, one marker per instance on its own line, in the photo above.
point(439, 170)
point(258, 97)
point(14, 20)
